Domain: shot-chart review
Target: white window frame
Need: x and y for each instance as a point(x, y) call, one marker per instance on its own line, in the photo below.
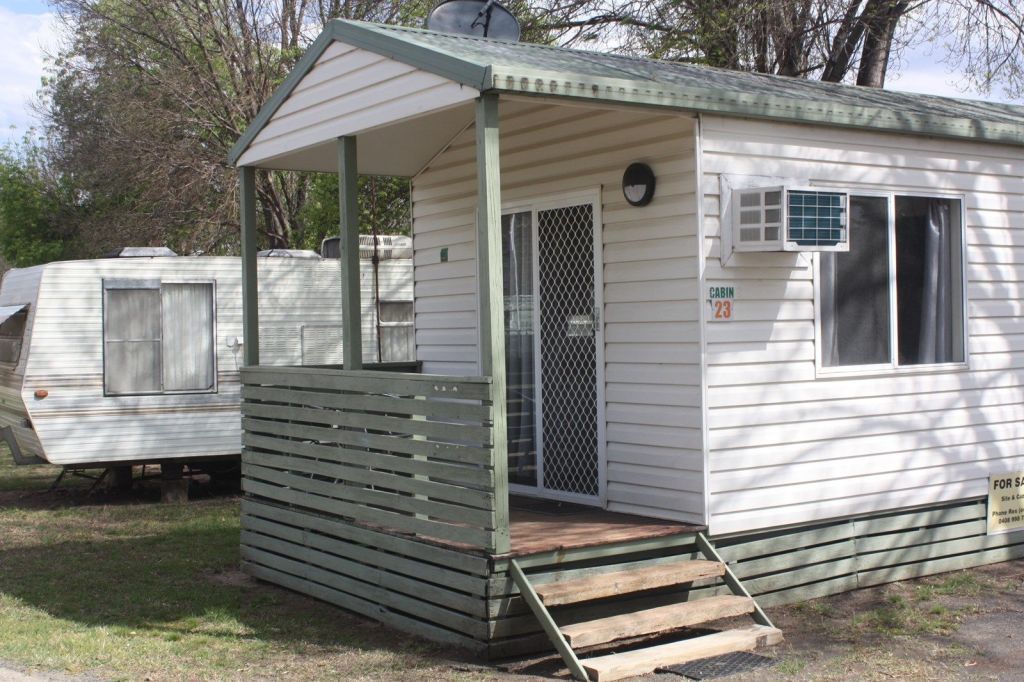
point(892, 367)
point(127, 283)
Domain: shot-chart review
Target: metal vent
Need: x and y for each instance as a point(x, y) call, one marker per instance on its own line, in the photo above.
point(321, 344)
point(388, 246)
point(140, 252)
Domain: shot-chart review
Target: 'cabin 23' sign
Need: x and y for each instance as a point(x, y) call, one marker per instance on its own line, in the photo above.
point(721, 300)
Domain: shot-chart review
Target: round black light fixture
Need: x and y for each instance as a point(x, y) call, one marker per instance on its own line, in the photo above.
point(638, 184)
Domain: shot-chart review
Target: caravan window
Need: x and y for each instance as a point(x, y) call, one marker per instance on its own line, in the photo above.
point(896, 298)
point(12, 332)
point(397, 332)
point(157, 338)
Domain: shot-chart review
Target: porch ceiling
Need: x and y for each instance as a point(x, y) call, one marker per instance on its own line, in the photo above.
point(401, 149)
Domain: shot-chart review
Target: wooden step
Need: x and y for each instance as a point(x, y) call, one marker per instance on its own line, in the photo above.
point(625, 581)
point(656, 620)
point(642, 661)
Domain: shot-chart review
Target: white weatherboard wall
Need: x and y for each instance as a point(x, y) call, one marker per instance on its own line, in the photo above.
point(654, 444)
point(786, 447)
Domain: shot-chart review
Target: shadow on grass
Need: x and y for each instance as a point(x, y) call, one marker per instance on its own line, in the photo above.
point(136, 567)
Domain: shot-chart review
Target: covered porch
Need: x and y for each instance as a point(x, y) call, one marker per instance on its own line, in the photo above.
point(389, 493)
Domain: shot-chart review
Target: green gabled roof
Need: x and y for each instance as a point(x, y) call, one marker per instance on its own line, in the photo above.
point(504, 66)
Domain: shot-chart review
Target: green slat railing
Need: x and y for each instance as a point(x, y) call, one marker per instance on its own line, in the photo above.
point(409, 453)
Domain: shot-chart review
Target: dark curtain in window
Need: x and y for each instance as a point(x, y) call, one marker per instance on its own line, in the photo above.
point(855, 290)
point(927, 272)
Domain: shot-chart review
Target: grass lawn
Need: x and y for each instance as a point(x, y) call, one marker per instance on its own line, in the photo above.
point(128, 588)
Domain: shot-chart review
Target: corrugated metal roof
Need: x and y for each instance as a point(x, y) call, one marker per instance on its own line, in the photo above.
point(585, 63)
point(525, 68)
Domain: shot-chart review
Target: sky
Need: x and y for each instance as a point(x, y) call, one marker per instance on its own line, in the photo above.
point(28, 30)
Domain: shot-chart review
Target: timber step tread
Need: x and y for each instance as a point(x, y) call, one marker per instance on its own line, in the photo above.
point(655, 620)
point(642, 661)
point(627, 580)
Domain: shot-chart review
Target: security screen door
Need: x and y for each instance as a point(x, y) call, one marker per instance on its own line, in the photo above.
point(553, 351)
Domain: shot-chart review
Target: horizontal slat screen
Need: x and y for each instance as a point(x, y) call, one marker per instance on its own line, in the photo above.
point(813, 561)
point(407, 453)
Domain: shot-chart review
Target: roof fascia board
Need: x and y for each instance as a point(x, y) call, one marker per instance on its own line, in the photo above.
point(365, 37)
point(534, 82)
point(281, 92)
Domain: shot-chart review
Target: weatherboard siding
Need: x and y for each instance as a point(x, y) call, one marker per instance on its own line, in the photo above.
point(789, 447)
point(350, 90)
point(651, 333)
point(77, 424)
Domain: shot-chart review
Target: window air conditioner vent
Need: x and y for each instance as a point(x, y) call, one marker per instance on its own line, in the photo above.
point(790, 219)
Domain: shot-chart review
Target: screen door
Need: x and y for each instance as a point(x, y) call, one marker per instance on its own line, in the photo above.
point(553, 351)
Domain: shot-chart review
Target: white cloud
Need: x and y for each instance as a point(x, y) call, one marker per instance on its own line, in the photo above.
point(24, 38)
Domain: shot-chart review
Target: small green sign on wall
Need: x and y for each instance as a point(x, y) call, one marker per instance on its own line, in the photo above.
point(444, 255)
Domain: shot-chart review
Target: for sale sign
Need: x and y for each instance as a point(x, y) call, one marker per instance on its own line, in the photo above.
point(1006, 502)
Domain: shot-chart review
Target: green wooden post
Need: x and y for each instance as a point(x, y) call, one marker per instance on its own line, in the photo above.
point(348, 197)
point(250, 280)
point(492, 300)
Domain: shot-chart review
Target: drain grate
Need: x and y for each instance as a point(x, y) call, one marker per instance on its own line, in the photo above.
point(720, 666)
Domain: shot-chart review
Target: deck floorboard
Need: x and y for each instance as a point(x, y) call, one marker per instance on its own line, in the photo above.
point(538, 526)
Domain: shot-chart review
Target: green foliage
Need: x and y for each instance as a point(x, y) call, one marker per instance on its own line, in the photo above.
point(31, 207)
point(383, 203)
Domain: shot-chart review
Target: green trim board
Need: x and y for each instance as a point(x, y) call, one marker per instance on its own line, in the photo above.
point(491, 299)
point(348, 231)
point(250, 270)
point(522, 68)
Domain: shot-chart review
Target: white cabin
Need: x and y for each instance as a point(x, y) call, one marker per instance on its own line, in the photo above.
point(783, 312)
point(123, 360)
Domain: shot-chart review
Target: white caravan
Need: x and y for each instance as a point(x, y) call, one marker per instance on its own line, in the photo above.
point(135, 359)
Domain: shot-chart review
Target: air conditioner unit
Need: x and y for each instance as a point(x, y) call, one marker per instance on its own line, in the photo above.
point(790, 219)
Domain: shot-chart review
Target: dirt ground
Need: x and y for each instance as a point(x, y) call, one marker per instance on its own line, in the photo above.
point(967, 625)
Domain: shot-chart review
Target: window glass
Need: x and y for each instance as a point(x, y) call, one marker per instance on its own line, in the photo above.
point(12, 331)
point(187, 318)
point(928, 280)
point(854, 290)
point(131, 336)
point(924, 237)
point(517, 269)
point(397, 333)
point(158, 338)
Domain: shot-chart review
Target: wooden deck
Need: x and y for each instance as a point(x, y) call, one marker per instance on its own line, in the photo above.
point(538, 526)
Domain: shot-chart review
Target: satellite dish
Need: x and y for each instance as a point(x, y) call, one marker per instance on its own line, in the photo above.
point(484, 18)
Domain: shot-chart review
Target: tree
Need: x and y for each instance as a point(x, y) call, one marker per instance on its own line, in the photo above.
point(383, 207)
point(32, 207)
point(832, 40)
point(150, 95)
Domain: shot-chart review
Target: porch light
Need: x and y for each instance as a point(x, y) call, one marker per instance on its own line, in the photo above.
point(638, 184)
